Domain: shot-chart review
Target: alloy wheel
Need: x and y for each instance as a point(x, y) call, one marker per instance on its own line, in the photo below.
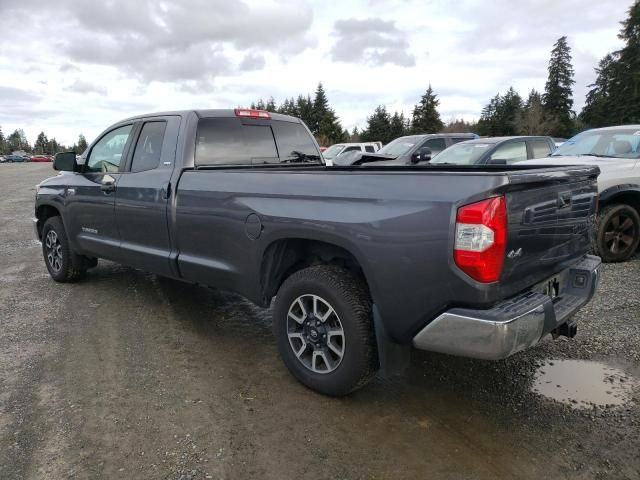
point(54, 250)
point(619, 233)
point(315, 333)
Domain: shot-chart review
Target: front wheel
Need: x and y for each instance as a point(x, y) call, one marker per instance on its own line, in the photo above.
point(63, 264)
point(617, 233)
point(323, 326)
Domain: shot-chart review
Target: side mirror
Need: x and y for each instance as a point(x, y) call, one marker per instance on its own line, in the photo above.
point(422, 155)
point(65, 162)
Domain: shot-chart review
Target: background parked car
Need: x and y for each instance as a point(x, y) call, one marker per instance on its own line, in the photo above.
point(331, 153)
point(409, 150)
point(40, 158)
point(16, 158)
point(616, 150)
point(496, 151)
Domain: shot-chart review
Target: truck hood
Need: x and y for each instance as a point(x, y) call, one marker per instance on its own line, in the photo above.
point(613, 171)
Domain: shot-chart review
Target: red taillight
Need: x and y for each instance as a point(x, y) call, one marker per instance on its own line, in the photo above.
point(481, 237)
point(251, 113)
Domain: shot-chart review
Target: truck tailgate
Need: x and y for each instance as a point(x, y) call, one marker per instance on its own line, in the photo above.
point(550, 217)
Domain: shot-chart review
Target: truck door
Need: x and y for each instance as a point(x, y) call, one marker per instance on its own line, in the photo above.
point(143, 194)
point(91, 200)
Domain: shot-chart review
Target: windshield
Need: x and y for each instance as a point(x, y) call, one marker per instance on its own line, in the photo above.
point(333, 151)
point(400, 146)
point(614, 143)
point(462, 153)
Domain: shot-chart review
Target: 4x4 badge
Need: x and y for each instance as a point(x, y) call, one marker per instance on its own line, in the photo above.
point(515, 253)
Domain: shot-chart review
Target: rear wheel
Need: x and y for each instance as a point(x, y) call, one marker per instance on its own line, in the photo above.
point(63, 264)
point(618, 232)
point(322, 323)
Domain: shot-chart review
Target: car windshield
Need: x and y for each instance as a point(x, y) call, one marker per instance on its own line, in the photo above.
point(400, 146)
point(333, 151)
point(613, 143)
point(462, 153)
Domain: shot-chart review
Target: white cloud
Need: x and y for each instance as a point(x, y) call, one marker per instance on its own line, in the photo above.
point(135, 57)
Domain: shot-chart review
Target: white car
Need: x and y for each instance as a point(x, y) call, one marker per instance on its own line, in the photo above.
point(340, 148)
point(616, 150)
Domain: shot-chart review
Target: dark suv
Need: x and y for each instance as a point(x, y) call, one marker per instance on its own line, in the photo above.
point(409, 150)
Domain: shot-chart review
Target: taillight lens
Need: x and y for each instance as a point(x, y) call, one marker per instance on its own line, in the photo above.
point(481, 237)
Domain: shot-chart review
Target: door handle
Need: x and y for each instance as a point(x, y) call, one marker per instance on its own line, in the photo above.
point(166, 190)
point(108, 187)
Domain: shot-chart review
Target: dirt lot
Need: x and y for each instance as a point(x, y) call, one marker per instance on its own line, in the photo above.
point(128, 375)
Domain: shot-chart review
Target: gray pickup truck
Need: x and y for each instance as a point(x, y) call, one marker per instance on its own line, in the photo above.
point(478, 261)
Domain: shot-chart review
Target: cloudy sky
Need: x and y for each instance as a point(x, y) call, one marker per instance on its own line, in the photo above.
point(71, 66)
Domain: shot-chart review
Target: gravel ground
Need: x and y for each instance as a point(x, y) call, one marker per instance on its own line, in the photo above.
point(128, 375)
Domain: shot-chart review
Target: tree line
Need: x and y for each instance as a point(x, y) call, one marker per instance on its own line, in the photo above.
point(17, 141)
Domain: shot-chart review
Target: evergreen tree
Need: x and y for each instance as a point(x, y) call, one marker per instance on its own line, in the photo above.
point(614, 98)
point(304, 107)
point(355, 135)
point(18, 141)
point(460, 126)
point(397, 126)
point(508, 111)
point(598, 110)
point(320, 108)
point(3, 144)
point(41, 144)
point(270, 106)
point(426, 118)
point(488, 123)
point(378, 126)
point(627, 72)
point(82, 144)
point(558, 95)
point(531, 118)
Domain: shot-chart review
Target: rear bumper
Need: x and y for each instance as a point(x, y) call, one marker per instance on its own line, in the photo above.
point(514, 324)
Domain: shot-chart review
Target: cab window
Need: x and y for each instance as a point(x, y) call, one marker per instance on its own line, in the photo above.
point(540, 148)
point(106, 155)
point(149, 147)
point(511, 152)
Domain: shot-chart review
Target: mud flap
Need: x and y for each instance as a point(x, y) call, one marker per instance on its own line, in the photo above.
point(394, 358)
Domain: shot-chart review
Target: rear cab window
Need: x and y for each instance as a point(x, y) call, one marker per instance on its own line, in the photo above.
point(146, 155)
point(232, 141)
point(540, 148)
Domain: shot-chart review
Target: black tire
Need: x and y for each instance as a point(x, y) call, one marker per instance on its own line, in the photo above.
point(64, 265)
point(617, 232)
point(347, 295)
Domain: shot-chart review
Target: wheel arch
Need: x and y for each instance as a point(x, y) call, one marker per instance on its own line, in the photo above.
point(43, 213)
point(285, 256)
point(625, 193)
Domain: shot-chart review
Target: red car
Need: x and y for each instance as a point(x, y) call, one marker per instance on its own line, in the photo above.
point(41, 158)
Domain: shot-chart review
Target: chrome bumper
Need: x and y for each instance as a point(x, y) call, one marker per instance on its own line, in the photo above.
point(35, 228)
point(514, 324)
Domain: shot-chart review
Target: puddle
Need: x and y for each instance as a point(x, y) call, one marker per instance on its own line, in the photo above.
point(582, 383)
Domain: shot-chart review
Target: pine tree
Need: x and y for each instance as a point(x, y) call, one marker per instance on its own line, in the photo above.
point(628, 68)
point(3, 144)
point(397, 126)
point(488, 123)
point(355, 135)
point(304, 107)
point(82, 144)
point(18, 141)
point(531, 118)
point(508, 111)
point(270, 105)
point(426, 118)
point(41, 144)
point(378, 126)
point(599, 110)
point(558, 95)
point(320, 108)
